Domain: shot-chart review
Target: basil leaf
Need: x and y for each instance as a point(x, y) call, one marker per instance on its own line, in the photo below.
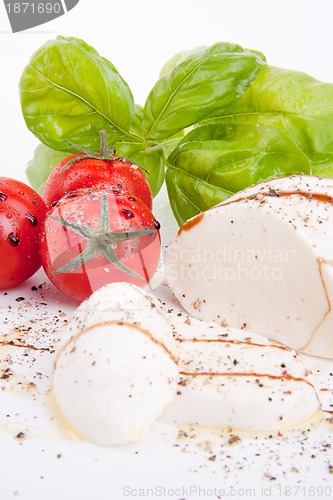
point(43, 161)
point(197, 87)
point(46, 158)
point(68, 91)
point(151, 157)
point(135, 149)
point(216, 160)
point(150, 162)
point(178, 58)
point(295, 102)
point(282, 125)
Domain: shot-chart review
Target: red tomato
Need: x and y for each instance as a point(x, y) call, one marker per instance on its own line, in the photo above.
point(22, 212)
point(93, 237)
point(96, 173)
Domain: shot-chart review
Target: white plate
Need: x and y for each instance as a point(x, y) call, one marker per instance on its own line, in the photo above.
point(41, 459)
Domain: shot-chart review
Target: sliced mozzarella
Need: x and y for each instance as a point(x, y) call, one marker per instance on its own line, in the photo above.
point(115, 369)
point(263, 260)
point(121, 302)
point(232, 379)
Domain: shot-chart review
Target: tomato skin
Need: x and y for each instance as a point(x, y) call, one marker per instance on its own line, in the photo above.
point(99, 174)
point(22, 212)
point(60, 245)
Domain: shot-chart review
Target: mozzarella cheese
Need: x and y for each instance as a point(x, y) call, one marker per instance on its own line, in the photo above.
point(115, 368)
point(118, 368)
point(232, 379)
point(262, 260)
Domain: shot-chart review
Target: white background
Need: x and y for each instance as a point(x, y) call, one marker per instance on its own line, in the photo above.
point(138, 36)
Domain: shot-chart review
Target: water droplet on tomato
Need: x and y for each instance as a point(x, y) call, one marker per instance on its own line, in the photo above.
point(9, 216)
point(13, 239)
point(128, 214)
point(72, 194)
point(157, 224)
point(3, 197)
point(32, 219)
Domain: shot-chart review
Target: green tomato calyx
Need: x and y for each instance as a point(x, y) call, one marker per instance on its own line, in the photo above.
point(100, 241)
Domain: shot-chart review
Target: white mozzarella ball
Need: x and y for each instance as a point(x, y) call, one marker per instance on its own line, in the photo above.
point(115, 370)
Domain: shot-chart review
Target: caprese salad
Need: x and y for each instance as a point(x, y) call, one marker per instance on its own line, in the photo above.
point(252, 267)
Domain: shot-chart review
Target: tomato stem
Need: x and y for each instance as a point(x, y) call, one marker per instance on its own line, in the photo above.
point(106, 152)
point(102, 144)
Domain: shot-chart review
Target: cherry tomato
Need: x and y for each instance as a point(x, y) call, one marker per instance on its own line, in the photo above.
point(87, 172)
point(92, 237)
point(22, 212)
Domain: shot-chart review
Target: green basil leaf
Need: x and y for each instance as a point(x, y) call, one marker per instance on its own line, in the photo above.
point(136, 124)
point(68, 91)
point(151, 157)
point(43, 161)
point(46, 158)
point(178, 58)
point(282, 125)
point(295, 102)
point(135, 149)
point(197, 87)
point(151, 162)
point(216, 160)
